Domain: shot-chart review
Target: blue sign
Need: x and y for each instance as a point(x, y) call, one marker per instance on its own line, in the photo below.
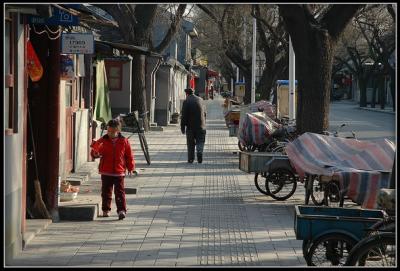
point(284, 82)
point(60, 17)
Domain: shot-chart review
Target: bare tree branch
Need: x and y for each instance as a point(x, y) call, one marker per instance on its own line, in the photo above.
point(391, 11)
point(337, 18)
point(172, 30)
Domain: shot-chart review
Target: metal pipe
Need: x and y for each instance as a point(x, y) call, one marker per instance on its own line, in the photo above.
point(153, 89)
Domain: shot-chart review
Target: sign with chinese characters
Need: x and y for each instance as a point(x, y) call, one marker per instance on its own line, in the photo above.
point(77, 43)
point(67, 67)
point(60, 17)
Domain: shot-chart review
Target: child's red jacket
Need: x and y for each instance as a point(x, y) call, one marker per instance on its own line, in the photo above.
point(115, 159)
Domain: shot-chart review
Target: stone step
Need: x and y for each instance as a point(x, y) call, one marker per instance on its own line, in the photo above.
point(86, 207)
point(84, 212)
point(33, 227)
point(156, 128)
point(76, 179)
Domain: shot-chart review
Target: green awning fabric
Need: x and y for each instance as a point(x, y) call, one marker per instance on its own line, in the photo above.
point(102, 109)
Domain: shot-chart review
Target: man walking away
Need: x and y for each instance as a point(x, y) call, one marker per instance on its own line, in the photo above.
point(193, 119)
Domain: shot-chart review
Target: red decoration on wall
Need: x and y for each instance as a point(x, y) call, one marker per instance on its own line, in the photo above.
point(35, 69)
point(192, 84)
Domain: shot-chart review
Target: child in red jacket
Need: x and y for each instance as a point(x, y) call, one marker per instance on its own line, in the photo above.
point(116, 157)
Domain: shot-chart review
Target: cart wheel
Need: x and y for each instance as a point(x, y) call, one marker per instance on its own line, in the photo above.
point(331, 249)
point(306, 246)
point(259, 181)
point(318, 192)
point(332, 194)
point(281, 183)
point(244, 147)
point(241, 146)
point(307, 191)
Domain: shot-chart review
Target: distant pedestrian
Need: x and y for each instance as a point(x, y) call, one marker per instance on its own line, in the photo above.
point(193, 123)
point(116, 157)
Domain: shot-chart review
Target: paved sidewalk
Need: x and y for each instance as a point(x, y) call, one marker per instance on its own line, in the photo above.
point(182, 215)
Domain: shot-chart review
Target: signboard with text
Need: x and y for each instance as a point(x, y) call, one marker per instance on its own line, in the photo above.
point(77, 43)
point(60, 17)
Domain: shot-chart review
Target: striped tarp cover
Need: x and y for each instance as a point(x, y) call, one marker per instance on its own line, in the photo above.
point(264, 106)
point(254, 130)
point(362, 167)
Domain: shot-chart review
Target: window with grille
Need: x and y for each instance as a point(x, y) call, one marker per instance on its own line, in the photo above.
point(114, 75)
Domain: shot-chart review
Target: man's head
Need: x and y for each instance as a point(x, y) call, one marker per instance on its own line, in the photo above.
point(189, 91)
point(113, 127)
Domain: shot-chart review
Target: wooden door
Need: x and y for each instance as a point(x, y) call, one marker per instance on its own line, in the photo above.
point(69, 127)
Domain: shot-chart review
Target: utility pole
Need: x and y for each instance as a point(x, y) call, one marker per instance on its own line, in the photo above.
point(253, 63)
point(245, 43)
point(292, 82)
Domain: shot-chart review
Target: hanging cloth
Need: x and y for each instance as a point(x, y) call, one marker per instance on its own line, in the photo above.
point(35, 69)
point(102, 110)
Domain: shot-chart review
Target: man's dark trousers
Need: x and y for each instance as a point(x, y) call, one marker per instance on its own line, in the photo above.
point(195, 138)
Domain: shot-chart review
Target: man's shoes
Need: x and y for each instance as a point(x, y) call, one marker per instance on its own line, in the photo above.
point(190, 161)
point(200, 158)
point(106, 213)
point(121, 215)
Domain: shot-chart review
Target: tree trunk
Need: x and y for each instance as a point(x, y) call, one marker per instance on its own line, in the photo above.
point(247, 95)
point(362, 83)
point(381, 88)
point(374, 90)
point(138, 98)
point(392, 88)
point(266, 83)
point(314, 84)
point(262, 86)
point(144, 15)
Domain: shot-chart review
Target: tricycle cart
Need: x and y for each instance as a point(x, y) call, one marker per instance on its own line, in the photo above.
point(274, 174)
point(330, 168)
point(276, 177)
point(329, 233)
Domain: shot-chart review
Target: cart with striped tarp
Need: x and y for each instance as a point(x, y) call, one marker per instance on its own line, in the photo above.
point(331, 169)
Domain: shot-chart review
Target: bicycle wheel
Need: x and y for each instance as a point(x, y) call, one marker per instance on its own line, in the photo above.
point(331, 249)
point(145, 148)
point(259, 181)
point(375, 250)
point(318, 191)
point(279, 148)
point(332, 194)
point(281, 184)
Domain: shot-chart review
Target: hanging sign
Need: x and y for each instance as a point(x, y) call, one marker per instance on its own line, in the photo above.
point(60, 17)
point(34, 67)
point(77, 43)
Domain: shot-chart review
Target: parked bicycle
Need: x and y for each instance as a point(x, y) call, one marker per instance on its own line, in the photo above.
point(133, 123)
point(378, 248)
point(326, 190)
point(330, 234)
point(274, 143)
